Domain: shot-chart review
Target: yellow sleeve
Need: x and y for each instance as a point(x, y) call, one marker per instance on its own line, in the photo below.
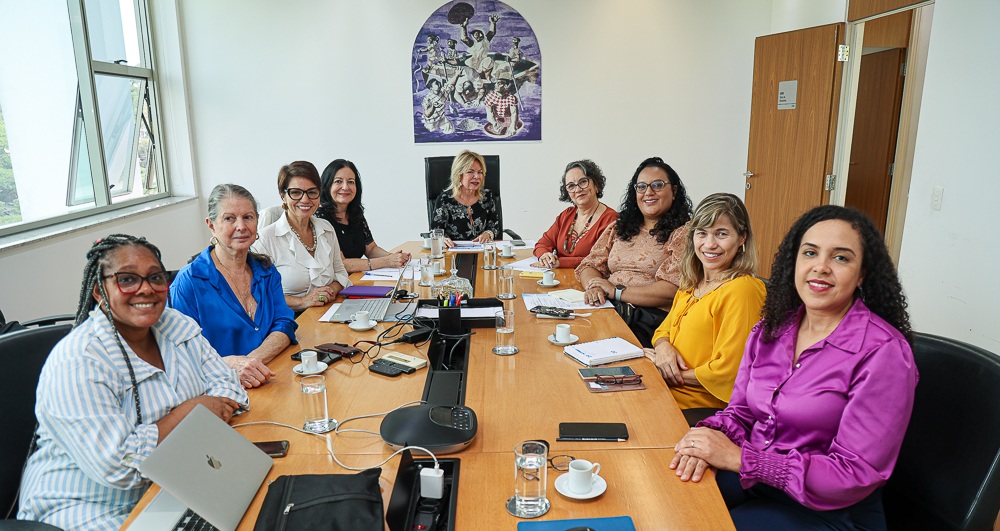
point(663, 331)
point(734, 312)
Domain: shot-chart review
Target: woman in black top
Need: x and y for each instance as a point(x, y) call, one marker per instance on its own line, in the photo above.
point(340, 204)
point(466, 210)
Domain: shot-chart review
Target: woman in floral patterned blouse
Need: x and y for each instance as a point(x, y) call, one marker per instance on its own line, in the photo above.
point(466, 210)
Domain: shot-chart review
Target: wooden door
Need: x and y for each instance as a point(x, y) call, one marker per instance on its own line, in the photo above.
point(876, 123)
point(791, 150)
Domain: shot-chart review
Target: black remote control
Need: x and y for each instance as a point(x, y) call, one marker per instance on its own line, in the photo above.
point(405, 368)
point(384, 370)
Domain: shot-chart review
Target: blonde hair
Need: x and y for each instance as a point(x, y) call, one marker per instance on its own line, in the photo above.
point(463, 161)
point(708, 212)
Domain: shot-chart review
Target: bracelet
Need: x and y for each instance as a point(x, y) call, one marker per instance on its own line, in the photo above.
point(369, 264)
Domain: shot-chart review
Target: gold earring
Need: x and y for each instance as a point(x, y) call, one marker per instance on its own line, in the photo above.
point(214, 241)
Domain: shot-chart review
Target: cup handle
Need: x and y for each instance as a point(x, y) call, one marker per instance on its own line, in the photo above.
point(597, 469)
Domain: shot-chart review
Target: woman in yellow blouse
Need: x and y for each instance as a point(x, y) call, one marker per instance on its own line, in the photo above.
point(698, 347)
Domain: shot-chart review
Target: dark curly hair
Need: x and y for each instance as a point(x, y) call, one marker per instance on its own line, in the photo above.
point(327, 207)
point(630, 217)
point(880, 288)
point(591, 170)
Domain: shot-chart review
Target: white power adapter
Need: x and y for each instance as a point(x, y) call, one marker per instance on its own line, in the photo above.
point(431, 483)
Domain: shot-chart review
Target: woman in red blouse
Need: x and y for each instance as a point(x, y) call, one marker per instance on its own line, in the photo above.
point(576, 229)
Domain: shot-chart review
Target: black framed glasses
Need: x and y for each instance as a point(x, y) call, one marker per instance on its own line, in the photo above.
point(556, 462)
point(632, 379)
point(582, 184)
point(129, 283)
point(657, 185)
point(297, 193)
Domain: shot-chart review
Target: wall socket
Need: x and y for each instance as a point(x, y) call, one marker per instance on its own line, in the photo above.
point(936, 196)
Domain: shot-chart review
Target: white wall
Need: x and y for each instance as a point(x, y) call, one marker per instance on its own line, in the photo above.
point(949, 257)
point(273, 82)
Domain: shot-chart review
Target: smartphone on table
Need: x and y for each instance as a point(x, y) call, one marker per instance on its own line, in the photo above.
point(273, 448)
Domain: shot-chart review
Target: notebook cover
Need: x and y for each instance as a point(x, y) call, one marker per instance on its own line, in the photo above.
point(614, 523)
point(608, 350)
point(365, 292)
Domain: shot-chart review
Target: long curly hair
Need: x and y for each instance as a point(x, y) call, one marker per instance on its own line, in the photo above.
point(880, 287)
point(630, 217)
point(327, 207)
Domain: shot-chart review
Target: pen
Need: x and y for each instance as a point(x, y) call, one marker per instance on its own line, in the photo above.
point(379, 275)
point(606, 439)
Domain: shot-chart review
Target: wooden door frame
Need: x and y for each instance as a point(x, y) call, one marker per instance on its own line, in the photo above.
point(916, 61)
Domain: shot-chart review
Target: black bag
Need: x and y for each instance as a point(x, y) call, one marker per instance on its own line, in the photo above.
point(323, 501)
point(643, 320)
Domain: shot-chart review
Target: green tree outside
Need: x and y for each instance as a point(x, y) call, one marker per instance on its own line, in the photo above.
point(10, 207)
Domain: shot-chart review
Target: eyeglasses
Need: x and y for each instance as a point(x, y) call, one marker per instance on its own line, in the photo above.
point(556, 462)
point(656, 185)
point(634, 379)
point(582, 184)
point(296, 193)
point(129, 283)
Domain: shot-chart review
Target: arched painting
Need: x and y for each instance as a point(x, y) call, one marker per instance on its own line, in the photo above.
point(477, 75)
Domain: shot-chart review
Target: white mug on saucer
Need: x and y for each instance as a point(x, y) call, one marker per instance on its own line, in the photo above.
point(548, 277)
point(582, 474)
point(562, 333)
point(505, 249)
point(309, 361)
point(361, 319)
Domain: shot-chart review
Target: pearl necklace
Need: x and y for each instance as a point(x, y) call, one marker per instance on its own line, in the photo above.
point(311, 230)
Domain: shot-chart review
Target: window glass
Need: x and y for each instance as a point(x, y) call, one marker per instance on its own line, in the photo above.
point(111, 26)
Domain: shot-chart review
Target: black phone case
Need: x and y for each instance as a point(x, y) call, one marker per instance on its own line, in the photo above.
point(384, 370)
point(592, 431)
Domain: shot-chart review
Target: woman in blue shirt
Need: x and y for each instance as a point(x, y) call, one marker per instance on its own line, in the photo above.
point(234, 294)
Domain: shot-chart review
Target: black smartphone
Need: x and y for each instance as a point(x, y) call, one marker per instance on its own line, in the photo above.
point(273, 448)
point(321, 355)
point(592, 431)
point(519, 243)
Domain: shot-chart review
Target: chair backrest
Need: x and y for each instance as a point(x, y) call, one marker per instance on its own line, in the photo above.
point(948, 472)
point(22, 355)
point(268, 216)
point(437, 175)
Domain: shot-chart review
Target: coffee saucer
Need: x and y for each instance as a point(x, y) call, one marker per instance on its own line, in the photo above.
point(511, 255)
point(300, 369)
point(552, 285)
point(572, 339)
point(362, 328)
point(598, 488)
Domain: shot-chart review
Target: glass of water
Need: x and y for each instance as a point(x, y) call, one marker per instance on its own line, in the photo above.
point(406, 282)
point(530, 481)
point(489, 255)
point(505, 333)
point(314, 404)
point(506, 290)
point(437, 243)
point(426, 271)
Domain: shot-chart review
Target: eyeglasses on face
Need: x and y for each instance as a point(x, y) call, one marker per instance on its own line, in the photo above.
point(656, 185)
point(619, 380)
point(582, 184)
point(129, 283)
point(296, 193)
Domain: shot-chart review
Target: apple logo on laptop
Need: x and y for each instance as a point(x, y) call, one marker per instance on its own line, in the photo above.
point(213, 462)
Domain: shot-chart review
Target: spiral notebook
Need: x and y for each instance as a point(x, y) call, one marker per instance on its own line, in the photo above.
point(603, 351)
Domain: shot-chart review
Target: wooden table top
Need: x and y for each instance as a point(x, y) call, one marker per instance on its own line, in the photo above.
point(516, 398)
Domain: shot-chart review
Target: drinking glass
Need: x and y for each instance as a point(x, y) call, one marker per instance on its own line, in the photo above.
point(489, 255)
point(505, 333)
point(406, 282)
point(426, 271)
point(437, 243)
point(506, 290)
point(314, 404)
point(530, 481)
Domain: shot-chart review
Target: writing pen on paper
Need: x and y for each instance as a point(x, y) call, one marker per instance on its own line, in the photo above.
point(606, 439)
point(379, 275)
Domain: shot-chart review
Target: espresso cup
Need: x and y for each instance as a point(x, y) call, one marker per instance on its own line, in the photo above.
point(582, 474)
point(309, 363)
point(361, 319)
point(562, 333)
point(548, 277)
point(505, 249)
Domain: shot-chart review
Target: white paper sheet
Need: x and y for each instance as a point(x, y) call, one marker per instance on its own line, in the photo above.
point(533, 299)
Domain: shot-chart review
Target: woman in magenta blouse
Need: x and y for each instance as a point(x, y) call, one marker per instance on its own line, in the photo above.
point(825, 389)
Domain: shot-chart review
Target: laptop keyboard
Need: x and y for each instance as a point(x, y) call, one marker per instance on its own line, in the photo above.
point(192, 522)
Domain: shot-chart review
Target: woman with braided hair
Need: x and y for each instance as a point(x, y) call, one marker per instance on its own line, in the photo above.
point(235, 294)
point(129, 371)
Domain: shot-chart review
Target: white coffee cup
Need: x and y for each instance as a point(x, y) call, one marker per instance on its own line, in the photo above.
point(439, 267)
point(562, 333)
point(361, 319)
point(427, 242)
point(505, 249)
point(309, 363)
point(548, 277)
point(582, 474)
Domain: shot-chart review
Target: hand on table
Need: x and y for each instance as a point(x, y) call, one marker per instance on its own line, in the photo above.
point(222, 407)
point(320, 296)
point(485, 237)
point(597, 291)
point(549, 260)
point(397, 259)
point(251, 371)
point(701, 448)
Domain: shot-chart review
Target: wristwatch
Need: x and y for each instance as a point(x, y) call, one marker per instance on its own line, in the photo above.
point(619, 289)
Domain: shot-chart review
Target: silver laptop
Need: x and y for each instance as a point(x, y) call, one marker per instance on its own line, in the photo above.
point(376, 308)
point(206, 466)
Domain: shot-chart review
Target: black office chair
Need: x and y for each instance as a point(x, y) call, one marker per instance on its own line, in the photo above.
point(948, 473)
point(22, 355)
point(437, 177)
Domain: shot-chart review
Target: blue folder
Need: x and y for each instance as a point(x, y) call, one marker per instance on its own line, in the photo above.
point(614, 523)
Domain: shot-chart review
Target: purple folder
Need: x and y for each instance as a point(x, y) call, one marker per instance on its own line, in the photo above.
point(366, 292)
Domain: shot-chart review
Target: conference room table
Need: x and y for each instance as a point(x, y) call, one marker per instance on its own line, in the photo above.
point(516, 398)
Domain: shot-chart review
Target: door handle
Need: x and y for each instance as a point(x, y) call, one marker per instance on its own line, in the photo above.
point(748, 174)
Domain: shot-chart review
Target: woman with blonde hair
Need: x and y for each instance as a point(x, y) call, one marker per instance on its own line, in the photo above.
point(698, 347)
point(466, 210)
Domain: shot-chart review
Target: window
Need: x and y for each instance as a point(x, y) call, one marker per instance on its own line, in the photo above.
point(78, 113)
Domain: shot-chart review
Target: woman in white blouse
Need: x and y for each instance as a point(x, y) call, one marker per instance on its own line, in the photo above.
point(303, 247)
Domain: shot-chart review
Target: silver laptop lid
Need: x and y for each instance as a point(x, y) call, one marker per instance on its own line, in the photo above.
point(349, 307)
point(209, 467)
